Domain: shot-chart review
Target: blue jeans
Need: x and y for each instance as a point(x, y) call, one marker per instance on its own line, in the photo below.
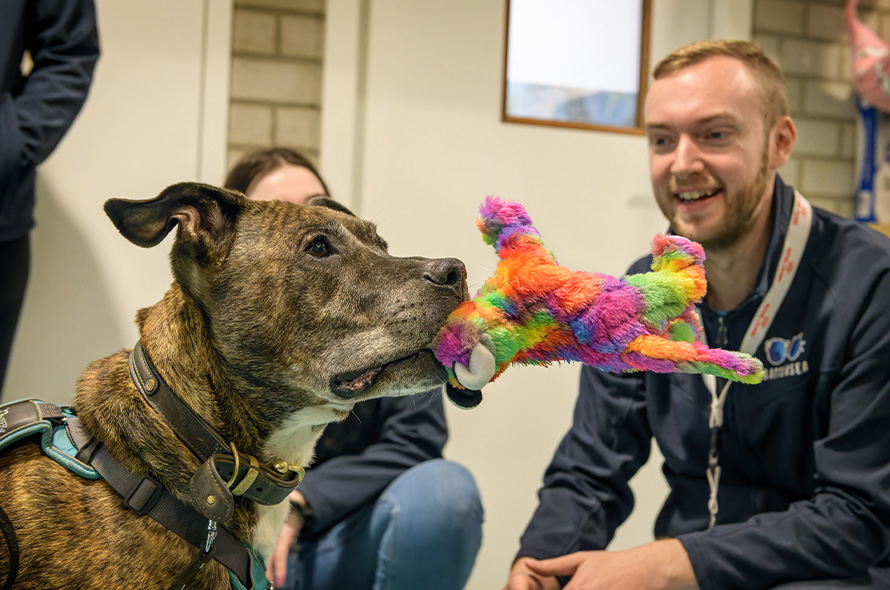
point(422, 532)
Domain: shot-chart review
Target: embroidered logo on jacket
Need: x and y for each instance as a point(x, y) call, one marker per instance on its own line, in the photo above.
point(783, 355)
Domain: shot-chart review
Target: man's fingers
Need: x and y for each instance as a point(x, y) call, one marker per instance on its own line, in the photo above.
point(524, 581)
point(275, 573)
point(277, 570)
point(558, 566)
point(273, 570)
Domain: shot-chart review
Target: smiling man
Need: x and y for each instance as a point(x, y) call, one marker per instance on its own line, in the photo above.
point(776, 485)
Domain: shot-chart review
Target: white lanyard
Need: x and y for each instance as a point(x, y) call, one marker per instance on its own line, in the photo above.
point(792, 251)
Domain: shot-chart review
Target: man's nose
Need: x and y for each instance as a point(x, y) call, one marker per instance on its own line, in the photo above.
point(687, 158)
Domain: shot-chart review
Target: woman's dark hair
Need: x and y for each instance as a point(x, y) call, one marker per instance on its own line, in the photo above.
point(259, 162)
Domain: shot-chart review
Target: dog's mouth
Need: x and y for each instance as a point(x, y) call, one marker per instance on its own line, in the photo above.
point(352, 384)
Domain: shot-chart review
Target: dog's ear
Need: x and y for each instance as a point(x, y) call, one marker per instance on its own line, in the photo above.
point(201, 210)
point(330, 204)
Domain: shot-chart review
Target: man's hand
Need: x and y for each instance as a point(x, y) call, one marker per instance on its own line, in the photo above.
point(522, 578)
point(277, 568)
point(662, 565)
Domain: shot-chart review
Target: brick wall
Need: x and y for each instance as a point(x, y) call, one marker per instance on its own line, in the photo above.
point(277, 48)
point(277, 68)
point(809, 40)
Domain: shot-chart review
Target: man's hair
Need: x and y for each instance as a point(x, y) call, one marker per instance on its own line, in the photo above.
point(765, 70)
point(259, 162)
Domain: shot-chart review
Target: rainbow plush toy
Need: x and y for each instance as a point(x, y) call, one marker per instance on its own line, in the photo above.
point(534, 311)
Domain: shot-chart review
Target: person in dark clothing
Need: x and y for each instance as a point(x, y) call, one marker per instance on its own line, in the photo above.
point(783, 484)
point(36, 110)
point(379, 507)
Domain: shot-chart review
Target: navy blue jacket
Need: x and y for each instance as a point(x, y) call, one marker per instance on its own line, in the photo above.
point(355, 460)
point(37, 110)
point(805, 455)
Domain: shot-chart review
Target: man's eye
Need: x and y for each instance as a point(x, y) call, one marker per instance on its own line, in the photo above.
point(319, 248)
point(660, 143)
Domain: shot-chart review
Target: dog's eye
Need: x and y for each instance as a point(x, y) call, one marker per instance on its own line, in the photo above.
point(319, 248)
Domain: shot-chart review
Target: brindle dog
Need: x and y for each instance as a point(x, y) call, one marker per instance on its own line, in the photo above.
point(280, 318)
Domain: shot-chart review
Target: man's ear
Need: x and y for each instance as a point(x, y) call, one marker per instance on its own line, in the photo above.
point(781, 141)
point(204, 214)
point(330, 204)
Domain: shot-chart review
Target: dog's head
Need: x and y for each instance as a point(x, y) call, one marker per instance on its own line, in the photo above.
point(301, 303)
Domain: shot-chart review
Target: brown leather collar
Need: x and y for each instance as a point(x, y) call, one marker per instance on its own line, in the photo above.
point(224, 472)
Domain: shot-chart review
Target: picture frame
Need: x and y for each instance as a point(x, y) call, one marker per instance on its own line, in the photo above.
point(577, 63)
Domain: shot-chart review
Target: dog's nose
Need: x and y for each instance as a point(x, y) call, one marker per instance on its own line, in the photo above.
point(447, 272)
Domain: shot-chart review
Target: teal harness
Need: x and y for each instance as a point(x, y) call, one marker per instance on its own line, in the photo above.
point(63, 439)
point(47, 422)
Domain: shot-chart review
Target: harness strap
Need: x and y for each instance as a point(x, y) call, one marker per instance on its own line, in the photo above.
point(16, 418)
point(197, 435)
point(146, 496)
point(222, 474)
point(200, 560)
point(20, 414)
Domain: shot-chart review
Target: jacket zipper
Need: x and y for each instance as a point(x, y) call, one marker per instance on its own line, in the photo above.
point(722, 332)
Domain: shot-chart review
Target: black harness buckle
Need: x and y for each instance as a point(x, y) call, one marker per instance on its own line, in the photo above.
point(145, 496)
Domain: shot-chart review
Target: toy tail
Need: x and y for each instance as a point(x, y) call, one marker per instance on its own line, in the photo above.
point(653, 353)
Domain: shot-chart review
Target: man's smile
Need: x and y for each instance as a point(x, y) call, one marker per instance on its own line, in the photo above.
point(695, 195)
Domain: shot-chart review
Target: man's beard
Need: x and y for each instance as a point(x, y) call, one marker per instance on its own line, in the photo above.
point(739, 213)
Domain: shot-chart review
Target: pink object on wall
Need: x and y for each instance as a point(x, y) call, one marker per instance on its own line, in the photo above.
point(870, 61)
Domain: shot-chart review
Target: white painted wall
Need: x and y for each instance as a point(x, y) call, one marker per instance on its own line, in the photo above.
point(412, 139)
point(156, 115)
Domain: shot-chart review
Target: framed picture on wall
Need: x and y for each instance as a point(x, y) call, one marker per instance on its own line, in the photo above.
point(577, 63)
